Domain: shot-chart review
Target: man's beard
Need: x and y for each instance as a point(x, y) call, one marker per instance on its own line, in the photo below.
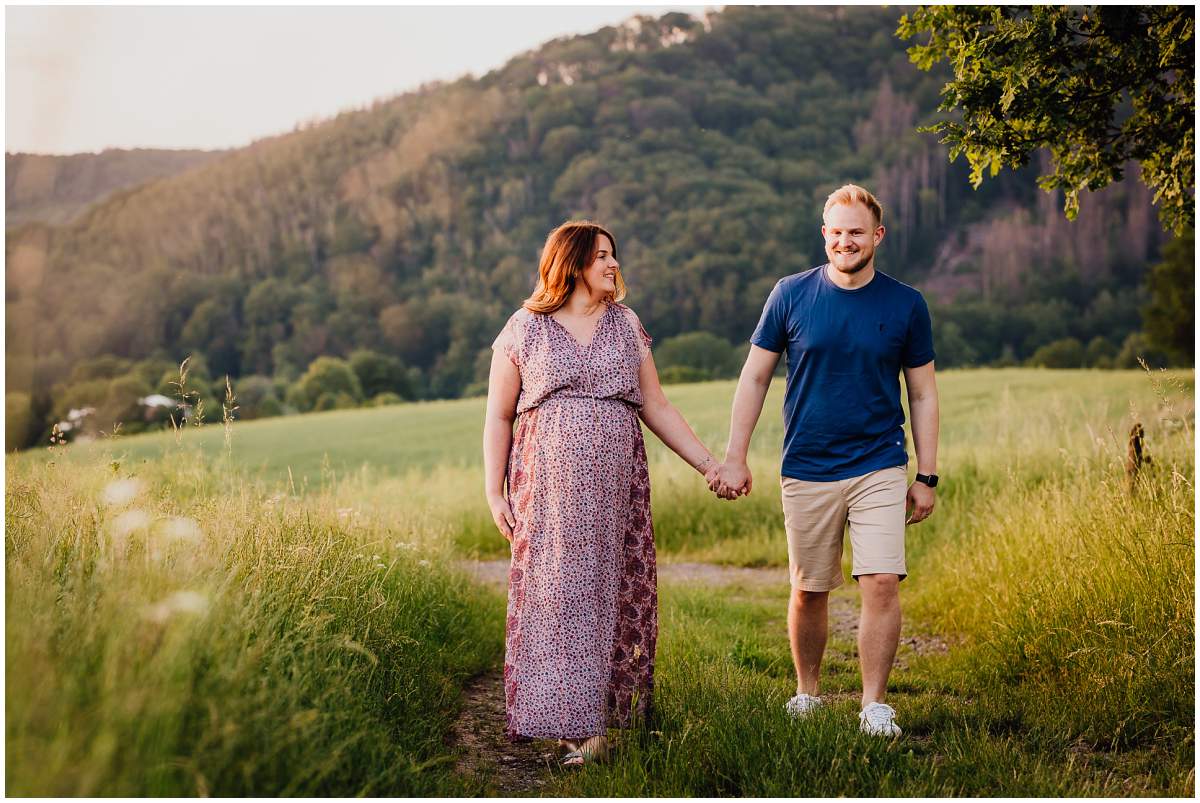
point(853, 267)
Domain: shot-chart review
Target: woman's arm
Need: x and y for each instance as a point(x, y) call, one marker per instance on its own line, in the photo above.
point(665, 421)
point(504, 386)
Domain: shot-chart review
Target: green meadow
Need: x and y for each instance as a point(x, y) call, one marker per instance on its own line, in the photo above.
point(280, 612)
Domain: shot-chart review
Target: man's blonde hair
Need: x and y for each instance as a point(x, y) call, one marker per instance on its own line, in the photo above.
point(851, 194)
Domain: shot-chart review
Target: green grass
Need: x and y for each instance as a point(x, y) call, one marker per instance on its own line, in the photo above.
point(317, 650)
point(986, 414)
point(719, 729)
point(317, 668)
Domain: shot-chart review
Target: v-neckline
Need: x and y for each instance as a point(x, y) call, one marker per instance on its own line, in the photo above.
point(595, 329)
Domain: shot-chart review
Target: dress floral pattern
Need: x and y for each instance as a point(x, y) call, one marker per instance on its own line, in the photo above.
point(582, 594)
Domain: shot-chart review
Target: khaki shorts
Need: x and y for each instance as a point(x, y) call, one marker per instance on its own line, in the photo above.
point(815, 515)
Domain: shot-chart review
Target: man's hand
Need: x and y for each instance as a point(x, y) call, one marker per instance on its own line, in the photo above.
point(731, 480)
point(919, 501)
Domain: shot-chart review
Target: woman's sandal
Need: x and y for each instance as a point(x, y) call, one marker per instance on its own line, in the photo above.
point(591, 751)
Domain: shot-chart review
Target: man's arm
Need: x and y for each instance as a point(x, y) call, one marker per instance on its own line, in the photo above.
point(755, 380)
point(923, 408)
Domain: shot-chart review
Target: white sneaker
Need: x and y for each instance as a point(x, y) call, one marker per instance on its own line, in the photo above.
point(802, 705)
point(878, 719)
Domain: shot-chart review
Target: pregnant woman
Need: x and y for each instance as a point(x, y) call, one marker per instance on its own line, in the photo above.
point(573, 369)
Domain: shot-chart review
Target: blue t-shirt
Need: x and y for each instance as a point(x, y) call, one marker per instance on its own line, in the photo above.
point(845, 349)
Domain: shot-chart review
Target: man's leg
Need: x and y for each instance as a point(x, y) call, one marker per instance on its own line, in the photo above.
point(876, 513)
point(808, 629)
point(814, 516)
point(878, 632)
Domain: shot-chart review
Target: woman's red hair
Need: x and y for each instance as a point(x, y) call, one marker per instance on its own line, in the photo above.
point(568, 252)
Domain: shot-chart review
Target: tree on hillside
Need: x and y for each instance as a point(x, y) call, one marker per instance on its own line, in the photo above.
point(381, 373)
point(1169, 320)
point(696, 356)
point(326, 376)
point(1097, 86)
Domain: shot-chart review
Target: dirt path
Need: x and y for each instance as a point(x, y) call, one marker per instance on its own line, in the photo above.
point(508, 768)
point(522, 768)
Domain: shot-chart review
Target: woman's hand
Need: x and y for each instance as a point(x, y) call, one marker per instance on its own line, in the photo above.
point(732, 480)
point(502, 515)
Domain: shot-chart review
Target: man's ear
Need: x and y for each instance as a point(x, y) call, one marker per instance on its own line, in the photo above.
point(879, 232)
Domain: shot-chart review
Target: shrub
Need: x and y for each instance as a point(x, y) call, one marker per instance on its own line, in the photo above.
point(680, 374)
point(952, 348)
point(379, 373)
point(252, 392)
point(270, 407)
point(385, 399)
point(708, 356)
point(1136, 345)
point(1100, 353)
point(19, 421)
point(329, 375)
point(1064, 353)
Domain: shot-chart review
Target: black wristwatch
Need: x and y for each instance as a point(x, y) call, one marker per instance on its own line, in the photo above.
point(928, 479)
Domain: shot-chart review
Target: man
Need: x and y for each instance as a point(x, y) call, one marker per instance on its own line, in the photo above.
point(848, 330)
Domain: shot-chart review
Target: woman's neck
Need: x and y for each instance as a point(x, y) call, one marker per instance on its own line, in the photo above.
point(581, 302)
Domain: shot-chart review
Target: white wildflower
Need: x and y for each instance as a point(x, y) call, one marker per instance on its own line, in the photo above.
point(181, 528)
point(423, 563)
point(188, 602)
point(119, 493)
point(130, 521)
point(185, 602)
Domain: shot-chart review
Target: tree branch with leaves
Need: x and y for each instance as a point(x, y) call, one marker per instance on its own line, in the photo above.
point(1096, 86)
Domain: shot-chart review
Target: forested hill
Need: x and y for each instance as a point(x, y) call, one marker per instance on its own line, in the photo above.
point(55, 189)
point(412, 228)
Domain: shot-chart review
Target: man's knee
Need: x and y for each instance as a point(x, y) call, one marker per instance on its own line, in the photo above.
point(808, 599)
point(879, 587)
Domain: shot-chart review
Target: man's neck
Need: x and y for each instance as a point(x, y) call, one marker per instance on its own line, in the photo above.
point(851, 281)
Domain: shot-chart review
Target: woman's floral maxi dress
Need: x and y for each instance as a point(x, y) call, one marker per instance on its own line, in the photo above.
point(582, 589)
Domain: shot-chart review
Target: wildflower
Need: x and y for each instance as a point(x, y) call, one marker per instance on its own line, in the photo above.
point(181, 528)
point(119, 493)
point(186, 602)
point(422, 563)
point(130, 521)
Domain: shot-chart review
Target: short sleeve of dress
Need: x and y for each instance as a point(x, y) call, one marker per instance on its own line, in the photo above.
point(508, 341)
point(643, 340)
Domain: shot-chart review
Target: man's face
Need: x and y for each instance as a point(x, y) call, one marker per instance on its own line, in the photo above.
point(850, 237)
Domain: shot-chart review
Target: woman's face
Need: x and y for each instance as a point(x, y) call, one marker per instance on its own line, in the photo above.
point(601, 275)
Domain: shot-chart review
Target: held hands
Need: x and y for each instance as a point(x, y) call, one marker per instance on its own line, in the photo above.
point(730, 479)
point(502, 515)
point(919, 501)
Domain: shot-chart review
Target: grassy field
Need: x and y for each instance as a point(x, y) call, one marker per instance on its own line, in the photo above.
point(210, 624)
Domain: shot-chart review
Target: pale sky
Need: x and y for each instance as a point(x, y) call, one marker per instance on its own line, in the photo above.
point(85, 78)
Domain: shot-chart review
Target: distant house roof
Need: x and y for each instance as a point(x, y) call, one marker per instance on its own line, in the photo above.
point(77, 415)
point(157, 400)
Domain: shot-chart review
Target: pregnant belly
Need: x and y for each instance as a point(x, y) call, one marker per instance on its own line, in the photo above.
point(576, 445)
